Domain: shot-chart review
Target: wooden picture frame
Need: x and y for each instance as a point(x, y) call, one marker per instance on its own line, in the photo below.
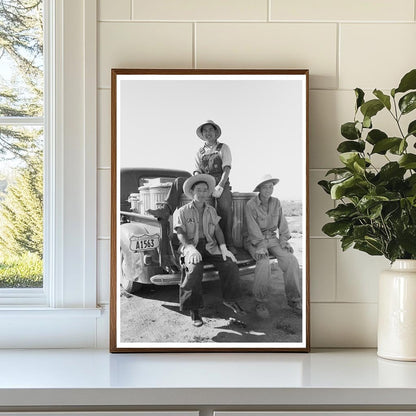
point(156, 118)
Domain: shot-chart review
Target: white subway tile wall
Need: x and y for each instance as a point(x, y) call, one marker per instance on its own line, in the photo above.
point(114, 10)
point(200, 10)
point(342, 10)
point(104, 128)
point(323, 268)
point(270, 45)
point(345, 44)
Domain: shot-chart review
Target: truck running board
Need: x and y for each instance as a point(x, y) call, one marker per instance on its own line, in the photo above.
point(209, 275)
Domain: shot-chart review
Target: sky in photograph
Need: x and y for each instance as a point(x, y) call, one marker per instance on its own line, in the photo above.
point(261, 121)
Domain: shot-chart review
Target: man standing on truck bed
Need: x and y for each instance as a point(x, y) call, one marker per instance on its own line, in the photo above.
point(264, 216)
point(214, 158)
point(202, 240)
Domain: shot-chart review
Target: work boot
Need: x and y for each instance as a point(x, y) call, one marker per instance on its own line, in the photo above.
point(161, 213)
point(196, 319)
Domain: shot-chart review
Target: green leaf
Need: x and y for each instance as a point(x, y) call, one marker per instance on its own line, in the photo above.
point(349, 158)
point(383, 145)
point(375, 211)
point(408, 161)
point(342, 211)
point(411, 130)
point(399, 148)
point(338, 171)
point(408, 102)
point(369, 201)
point(371, 108)
point(359, 165)
point(361, 231)
point(408, 82)
point(336, 228)
point(325, 186)
point(338, 190)
point(374, 136)
point(385, 99)
point(367, 122)
point(349, 131)
point(407, 240)
point(391, 170)
point(359, 95)
point(393, 250)
point(346, 242)
point(368, 248)
point(349, 146)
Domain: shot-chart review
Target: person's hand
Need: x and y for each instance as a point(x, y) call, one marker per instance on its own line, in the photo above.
point(286, 246)
point(227, 253)
point(217, 191)
point(261, 253)
point(192, 255)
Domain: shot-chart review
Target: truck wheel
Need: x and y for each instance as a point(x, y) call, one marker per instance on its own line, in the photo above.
point(128, 285)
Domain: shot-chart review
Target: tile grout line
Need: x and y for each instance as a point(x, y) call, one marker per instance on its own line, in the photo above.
point(307, 22)
point(336, 271)
point(194, 63)
point(269, 11)
point(338, 63)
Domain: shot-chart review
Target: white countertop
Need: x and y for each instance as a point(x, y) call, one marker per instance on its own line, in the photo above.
point(96, 377)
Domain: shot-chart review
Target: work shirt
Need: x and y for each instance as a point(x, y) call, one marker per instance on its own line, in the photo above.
point(188, 220)
point(262, 222)
point(212, 160)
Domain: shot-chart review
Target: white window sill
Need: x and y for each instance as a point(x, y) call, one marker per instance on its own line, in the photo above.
point(322, 378)
point(36, 312)
point(40, 327)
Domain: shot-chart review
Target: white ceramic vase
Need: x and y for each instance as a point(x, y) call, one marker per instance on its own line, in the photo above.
point(397, 312)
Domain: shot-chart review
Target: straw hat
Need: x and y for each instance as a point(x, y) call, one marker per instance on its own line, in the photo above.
point(264, 179)
point(199, 129)
point(208, 179)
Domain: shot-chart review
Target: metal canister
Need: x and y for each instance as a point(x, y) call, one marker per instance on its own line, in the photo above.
point(135, 202)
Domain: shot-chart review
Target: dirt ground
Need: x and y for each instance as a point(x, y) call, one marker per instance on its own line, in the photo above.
point(153, 315)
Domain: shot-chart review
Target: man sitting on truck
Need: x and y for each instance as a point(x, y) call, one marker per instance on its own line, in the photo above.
point(202, 241)
point(214, 158)
point(263, 216)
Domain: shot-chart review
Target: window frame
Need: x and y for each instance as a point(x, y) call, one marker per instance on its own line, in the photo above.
point(70, 207)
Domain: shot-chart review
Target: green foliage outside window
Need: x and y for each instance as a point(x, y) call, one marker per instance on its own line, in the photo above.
point(21, 146)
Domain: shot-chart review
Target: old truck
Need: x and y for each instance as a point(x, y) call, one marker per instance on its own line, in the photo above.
point(140, 233)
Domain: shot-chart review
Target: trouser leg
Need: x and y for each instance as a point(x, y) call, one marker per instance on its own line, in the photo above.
point(190, 298)
point(225, 211)
point(174, 194)
point(229, 276)
point(290, 268)
point(262, 275)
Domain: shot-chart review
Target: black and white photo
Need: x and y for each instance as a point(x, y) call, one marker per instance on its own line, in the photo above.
point(209, 243)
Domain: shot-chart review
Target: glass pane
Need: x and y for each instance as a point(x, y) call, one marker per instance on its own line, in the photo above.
point(21, 58)
point(21, 207)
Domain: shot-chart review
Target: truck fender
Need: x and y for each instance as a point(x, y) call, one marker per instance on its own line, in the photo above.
point(132, 267)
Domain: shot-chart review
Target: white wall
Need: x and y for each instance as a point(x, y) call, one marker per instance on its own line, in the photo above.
point(345, 44)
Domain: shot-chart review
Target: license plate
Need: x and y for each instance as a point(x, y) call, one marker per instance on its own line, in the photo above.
point(144, 242)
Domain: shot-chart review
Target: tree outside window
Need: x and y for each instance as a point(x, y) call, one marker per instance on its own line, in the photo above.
point(21, 143)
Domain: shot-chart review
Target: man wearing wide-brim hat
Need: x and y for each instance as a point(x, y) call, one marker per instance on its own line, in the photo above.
point(214, 158)
point(202, 240)
point(266, 231)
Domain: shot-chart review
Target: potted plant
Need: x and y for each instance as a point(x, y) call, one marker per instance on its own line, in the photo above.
point(376, 209)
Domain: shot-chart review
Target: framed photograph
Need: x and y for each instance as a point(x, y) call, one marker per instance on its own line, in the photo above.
point(209, 212)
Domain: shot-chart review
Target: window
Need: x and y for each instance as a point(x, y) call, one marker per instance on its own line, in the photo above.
point(22, 128)
point(64, 313)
